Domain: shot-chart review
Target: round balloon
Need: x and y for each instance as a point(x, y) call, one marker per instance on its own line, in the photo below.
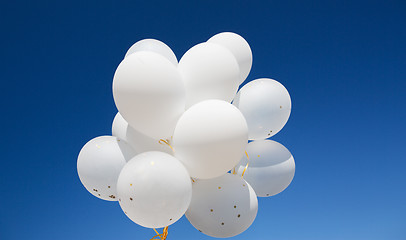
point(222, 207)
point(271, 167)
point(209, 71)
point(210, 138)
point(137, 140)
point(266, 106)
point(99, 164)
point(239, 47)
point(154, 189)
point(153, 45)
point(119, 127)
point(149, 94)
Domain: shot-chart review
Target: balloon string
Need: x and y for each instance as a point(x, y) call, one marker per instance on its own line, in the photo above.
point(166, 142)
point(159, 235)
point(246, 166)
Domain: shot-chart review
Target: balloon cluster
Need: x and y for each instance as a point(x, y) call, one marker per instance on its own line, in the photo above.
point(180, 141)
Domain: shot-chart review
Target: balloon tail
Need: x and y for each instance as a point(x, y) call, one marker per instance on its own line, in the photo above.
point(161, 236)
point(246, 166)
point(166, 141)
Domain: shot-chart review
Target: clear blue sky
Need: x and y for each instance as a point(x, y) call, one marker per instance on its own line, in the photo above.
point(343, 62)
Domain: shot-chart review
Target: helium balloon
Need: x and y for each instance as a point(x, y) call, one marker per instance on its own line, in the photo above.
point(119, 127)
point(153, 45)
point(210, 138)
point(239, 47)
point(137, 140)
point(209, 71)
point(99, 164)
point(222, 207)
point(154, 189)
point(266, 106)
point(149, 94)
point(271, 167)
point(142, 143)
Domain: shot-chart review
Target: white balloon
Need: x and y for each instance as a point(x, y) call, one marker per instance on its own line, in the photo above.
point(99, 164)
point(149, 94)
point(266, 106)
point(210, 138)
point(222, 207)
point(209, 71)
point(137, 140)
point(271, 167)
point(119, 127)
point(239, 47)
point(154, 189)
point(153, 45)
point(142, 143)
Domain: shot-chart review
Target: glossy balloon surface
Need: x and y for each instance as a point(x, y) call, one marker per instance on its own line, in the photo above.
point(99, 164)
point(222, 207)
point(266, 106)
point(210, 138)
point(153, 45)
point(271, 167)
point(240, 49)
point(154, 189)
point(149, 94)
point(137, 140)
point(209, 71)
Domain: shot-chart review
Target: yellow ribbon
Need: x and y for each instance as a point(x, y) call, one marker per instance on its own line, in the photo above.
point(246, 166)
point(159, 235)
point(166, 141)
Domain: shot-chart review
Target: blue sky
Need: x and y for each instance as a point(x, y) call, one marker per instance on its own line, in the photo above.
point(343, 62)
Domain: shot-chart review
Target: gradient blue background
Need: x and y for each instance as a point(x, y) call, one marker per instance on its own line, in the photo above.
point(343, 62)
